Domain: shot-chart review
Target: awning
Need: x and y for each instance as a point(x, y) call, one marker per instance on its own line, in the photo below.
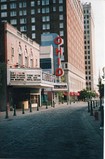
point(71, 93)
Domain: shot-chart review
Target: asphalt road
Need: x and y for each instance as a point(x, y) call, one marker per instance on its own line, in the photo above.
point(66, 132)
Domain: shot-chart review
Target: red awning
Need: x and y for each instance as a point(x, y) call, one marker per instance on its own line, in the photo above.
point(72, 93)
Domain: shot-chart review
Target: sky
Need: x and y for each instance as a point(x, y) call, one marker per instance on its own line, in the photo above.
point(98, 7)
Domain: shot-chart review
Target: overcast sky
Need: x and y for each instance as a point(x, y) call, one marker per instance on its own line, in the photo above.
point(98, 7)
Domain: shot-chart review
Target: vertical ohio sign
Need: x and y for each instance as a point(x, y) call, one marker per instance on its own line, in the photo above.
point(59, 70)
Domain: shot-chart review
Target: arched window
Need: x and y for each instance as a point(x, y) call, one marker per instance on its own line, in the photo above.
point(20, 61)
point(31, 59)
point(26, 56)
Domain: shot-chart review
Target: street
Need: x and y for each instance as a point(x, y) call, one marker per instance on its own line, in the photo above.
point(66, 132)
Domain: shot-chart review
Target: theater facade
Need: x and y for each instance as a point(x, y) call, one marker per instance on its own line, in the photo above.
point(21, 78)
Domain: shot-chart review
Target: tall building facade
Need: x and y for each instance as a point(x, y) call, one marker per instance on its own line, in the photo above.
point(89, 47)
point(63, 17)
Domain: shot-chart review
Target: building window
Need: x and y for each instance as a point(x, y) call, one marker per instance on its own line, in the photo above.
point(23, 21)
point(3, 0)
point(22, 12)
point(38, 10)
point(33, 27)
point(60, 1)
point(33, 35)
point(20, 49)
point(45, 18)
point(13, 13)
point(3, 14)
point(46, 26)
point(32, 11)
point(45, 10)
point(22, 4)
point(54, 1)
point(54, 9)
point(13, 21)
point(61, 25)
point(32, 3)
point(12, 54)
point(45, 2)
point(61, 33)
point(60, 8)
point(87, 21)
point(60, 17)
point(20, 59)
point(26, 61)
point(36, 62)
point(3, 6)
point(38, 3)
point(12, 5)
point(32, 20)
point(31, 63)
point(23, 28)
point(85, 57)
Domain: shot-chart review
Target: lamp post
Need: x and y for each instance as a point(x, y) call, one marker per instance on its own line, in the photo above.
point(101, 107)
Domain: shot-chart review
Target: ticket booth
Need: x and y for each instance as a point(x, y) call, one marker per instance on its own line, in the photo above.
point(35, 99)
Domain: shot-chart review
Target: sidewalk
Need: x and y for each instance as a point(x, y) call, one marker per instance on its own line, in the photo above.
point(34, 110)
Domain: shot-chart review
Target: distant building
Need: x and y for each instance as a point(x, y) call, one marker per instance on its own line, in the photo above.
point(50, 61)
point(89, 46)
point(103, 77)
point(46, 58)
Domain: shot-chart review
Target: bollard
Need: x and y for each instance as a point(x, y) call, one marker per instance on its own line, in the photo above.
point(7, 107)
point(93, 104)
point(96, 103)
point(88, 106)
point(53, 104)
point(14, 110)
point(91, 109)
point(37, 107)
point(23, 109)
point(96, 115)
point(102, 117)
point(46, 105)
point(30, 107)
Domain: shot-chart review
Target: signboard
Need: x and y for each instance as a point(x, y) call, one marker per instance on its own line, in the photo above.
point(59, 70)
point(28, 77)
point(60, 87)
